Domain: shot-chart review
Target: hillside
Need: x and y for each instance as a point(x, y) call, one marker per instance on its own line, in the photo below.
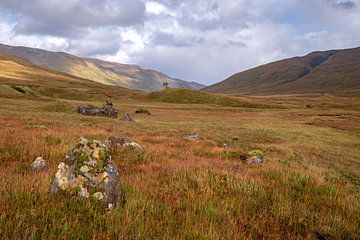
point(20, 77)
point(110, 73)
point(327, 71)
point(187, 96)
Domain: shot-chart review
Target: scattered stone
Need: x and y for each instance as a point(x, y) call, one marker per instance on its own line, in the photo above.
point(121, 142)
point(255, 157)
point(107, 110)
point(143, 111)
point(127, 118)
point(193, 137)
point(38, 164)
point(88, 171)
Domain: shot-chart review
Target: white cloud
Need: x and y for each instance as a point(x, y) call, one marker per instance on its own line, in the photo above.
point(203, 40)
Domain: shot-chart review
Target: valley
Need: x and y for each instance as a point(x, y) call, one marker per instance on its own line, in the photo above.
point(175, 188)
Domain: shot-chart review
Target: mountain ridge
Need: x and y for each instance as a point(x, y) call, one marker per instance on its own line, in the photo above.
point(110, 73)
point(319, 71)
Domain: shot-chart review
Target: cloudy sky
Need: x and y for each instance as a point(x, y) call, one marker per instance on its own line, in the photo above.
point(195, 40)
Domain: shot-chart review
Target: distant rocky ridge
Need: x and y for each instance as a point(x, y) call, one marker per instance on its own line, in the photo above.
point(110, 73)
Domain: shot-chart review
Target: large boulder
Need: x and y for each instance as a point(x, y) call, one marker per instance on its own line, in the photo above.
point(107, 110)
point(88, 171)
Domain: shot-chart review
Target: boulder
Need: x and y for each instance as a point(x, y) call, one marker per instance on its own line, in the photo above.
point(107, 110)
point(87, 170)
point(127, 118)
point(121, 142)
point(193, 137)
point(38, 164)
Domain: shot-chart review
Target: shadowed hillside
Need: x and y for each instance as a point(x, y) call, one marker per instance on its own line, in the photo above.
point(110, 73)
point(328, 71)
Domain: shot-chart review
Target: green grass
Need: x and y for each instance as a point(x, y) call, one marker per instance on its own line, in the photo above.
point(186, 96)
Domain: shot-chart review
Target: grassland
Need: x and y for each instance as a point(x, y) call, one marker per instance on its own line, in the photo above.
point(176, 189)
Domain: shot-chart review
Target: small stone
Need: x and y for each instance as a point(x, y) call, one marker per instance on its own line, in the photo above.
point(133, 145)
point(121, 142)
point(84, 169)
point(84, 192)
point(38, 164)
point(98, 196)
point(127, 118)
point(193, 137)
point(255, 159)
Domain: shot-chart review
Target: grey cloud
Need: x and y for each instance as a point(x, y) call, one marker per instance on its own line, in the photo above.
point(212, 14)
point(232, 43)
point(72, 18)
point(93, 48)
point(169, 39)
point(347, 5)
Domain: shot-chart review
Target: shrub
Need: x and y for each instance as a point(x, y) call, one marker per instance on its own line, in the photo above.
point(254, 153)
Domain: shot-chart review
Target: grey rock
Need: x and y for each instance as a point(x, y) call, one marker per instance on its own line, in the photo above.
point(255, 159)
point(121, 142)
point(38, 164)
point(107, 110)
point(193, 137)
point(127, 118)
point(87, 170)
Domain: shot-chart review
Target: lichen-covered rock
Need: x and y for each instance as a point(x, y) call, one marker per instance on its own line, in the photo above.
point(255, 157)
point(193, 137)
point(88, 171)
point(121, 142)
point(38, 164)
point(127, 118)
point(107, 110)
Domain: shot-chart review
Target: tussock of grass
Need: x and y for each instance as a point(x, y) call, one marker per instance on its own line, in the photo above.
point(186, 96)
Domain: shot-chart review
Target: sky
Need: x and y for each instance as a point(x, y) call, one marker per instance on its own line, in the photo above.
point(195, 40)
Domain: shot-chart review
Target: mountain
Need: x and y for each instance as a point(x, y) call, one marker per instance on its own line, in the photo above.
point(327, 71)
point(110, 73)
point(20, 77)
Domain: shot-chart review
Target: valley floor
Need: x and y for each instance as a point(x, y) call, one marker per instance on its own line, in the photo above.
point(176, 189)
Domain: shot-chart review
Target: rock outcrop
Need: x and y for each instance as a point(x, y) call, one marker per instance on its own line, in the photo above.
point(87, 170)
point(107, 110)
